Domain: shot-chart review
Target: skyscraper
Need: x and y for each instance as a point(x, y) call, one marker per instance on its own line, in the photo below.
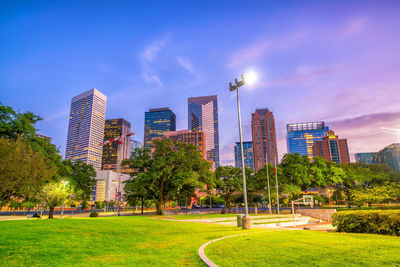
point(264, 138)
point(331, 148)
point(301, 137)
point(203, 116)
point(86, 128)
point(115, 152)
point(157, 122)
point(248, 155)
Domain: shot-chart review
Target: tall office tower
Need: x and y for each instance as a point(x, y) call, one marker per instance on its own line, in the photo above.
point(115, 152)
point(264, 138)
point(391, 156)
point(86, 128)
point(248, 155)
point(203, 116)
point(157, 122)
point(331, 148)
point(187, 136)
point(301, 137)
point(134, 144)
point(367, 158)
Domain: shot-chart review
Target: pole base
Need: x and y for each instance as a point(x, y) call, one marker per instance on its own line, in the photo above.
point(246, 222)
point(239, 220)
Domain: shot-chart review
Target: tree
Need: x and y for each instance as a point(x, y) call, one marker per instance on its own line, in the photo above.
point(173, 170)
point(136, 192)
point(14, 125)
point(52, 195)
point(82, 178)
point(228, 180)
point(22, 170)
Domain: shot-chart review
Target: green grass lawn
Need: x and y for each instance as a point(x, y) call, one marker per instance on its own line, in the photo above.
point(110, 241)
point(146, 241)
point(306, 248)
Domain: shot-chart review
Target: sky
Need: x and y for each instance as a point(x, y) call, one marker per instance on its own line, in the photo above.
point(332, 61)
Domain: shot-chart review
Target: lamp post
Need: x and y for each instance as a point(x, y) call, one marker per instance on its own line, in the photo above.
point(233, 88)
point(62, 208)
point(277, 186)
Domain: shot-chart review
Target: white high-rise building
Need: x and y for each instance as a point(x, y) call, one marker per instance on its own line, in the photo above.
point(203, 116)
point(86, 128)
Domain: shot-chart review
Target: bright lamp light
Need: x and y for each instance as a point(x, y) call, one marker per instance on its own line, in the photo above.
point(251, 77)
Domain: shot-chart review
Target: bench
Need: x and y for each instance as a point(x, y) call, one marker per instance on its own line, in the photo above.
point(35, 215)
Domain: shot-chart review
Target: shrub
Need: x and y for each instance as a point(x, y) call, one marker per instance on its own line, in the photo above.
point(386, 222)
point(387, 207)
point(94, 214)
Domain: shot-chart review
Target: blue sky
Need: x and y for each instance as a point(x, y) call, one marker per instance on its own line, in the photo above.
point(335, 61)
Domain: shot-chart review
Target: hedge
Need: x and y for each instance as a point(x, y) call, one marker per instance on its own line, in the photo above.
point(392, 207)
point(94, 214)
point(385, 222)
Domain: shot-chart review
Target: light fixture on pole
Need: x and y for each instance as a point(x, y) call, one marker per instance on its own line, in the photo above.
point(236, 87)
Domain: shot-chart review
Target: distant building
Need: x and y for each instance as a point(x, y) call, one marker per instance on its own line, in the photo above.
point(264, 138)
point(187, 136)
point(134, 144)
point(203, 116)
point(367, 158)
point(331, 148)
point(301, 137)
point(44, 137)
point(115, 152)
point(248, 155)
point(157, 122)
point(108, 184)
point(391, 156)
point(86, 128)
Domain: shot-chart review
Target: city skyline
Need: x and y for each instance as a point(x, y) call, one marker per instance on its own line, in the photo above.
point(314, 64)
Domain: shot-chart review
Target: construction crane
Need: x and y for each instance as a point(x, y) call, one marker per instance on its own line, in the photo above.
point(119, 139)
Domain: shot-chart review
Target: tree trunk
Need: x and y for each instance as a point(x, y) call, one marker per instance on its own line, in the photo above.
point(186, 205)
point(51, 213)
point(225, 206)
point(159, 207)
point(142, 205)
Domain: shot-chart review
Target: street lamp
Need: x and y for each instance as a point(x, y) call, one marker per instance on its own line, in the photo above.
point(62, 208)
point(238, 84)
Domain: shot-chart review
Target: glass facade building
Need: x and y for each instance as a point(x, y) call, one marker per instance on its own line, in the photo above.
point(134, 144)
point(301, 137)
point(248, 155)
point(156, 123)
point(367, 158)
point(115, 152)
point(391, 156)
point(86, 128)
point(203, 116)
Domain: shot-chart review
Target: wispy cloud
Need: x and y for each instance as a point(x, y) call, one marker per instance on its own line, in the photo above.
point(148, 57)
point(150, 52)
point(355, 26)
point(260, 48)
point(184, 63)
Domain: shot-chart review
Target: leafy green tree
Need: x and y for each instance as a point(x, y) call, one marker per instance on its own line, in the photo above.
point(228, 180)
point(22, 170)
point(14, 125)
point(173, 169)
point(52, 195)
point(136, 192)
point(82, 178)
